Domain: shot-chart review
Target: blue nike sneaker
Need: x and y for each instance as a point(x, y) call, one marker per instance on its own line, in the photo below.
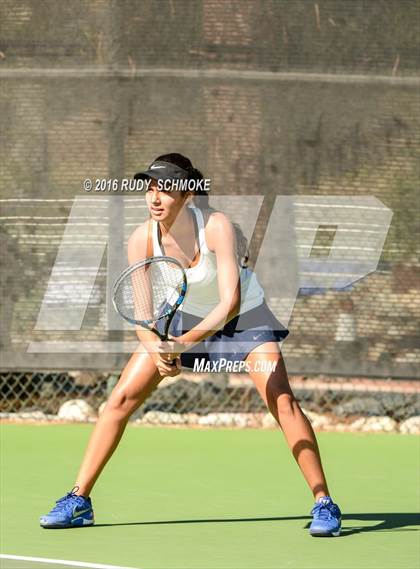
point(327, 518)
point(69, 511)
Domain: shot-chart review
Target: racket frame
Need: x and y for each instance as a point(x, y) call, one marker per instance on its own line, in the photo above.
point(168, 316)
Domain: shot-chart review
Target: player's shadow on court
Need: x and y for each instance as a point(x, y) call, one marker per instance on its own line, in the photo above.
point(386, 522)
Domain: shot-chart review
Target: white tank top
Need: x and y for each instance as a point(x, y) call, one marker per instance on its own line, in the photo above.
point(202, 287)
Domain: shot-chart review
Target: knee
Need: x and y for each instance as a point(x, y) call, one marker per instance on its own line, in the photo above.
point(121, 404)
point(285, 404)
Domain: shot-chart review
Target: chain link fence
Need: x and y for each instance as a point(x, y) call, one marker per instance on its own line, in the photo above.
point(213, 400)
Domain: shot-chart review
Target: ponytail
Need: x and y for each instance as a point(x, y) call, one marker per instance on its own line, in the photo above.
point(201, 200)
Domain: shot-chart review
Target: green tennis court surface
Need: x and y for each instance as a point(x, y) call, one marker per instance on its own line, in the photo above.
point(211, 499)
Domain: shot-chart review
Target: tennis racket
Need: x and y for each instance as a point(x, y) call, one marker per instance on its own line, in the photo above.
point(151, 291)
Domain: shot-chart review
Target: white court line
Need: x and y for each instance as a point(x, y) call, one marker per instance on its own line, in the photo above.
point(63, 562)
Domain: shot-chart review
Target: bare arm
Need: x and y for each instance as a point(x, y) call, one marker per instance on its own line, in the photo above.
point(137, 251)
point(228, 282)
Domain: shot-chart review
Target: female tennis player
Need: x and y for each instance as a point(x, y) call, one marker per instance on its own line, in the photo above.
point(224, 318)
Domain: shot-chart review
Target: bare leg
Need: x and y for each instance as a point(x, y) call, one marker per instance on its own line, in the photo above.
point(138, 379)
point(276, 392)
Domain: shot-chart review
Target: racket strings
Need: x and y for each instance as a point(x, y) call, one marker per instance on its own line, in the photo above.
point(150, 291)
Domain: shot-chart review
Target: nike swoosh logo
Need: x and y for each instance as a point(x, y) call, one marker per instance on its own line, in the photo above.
point(156, 167)
point(77, 513)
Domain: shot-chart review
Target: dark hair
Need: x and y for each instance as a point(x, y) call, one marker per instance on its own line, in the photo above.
point(195, 174)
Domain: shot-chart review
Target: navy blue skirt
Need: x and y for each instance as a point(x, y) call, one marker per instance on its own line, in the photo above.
point(234, 341)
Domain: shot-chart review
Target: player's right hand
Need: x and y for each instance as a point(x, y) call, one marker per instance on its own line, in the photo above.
point(167, 368)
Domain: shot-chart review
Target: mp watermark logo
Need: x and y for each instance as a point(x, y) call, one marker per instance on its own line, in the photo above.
point(315, 243)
